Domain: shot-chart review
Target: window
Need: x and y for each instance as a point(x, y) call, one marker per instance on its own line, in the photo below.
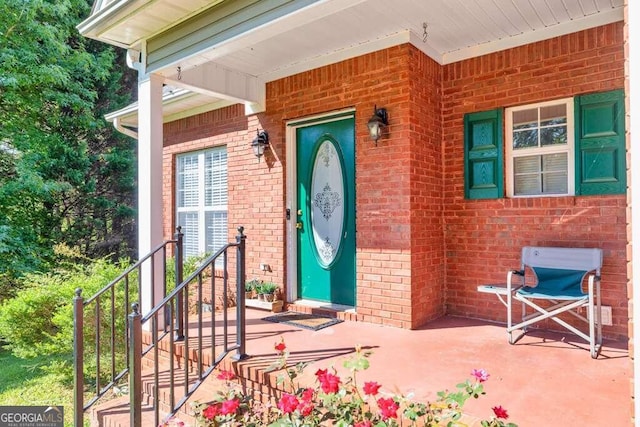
point(201, 200)
point(562, 147)
point(540, 149)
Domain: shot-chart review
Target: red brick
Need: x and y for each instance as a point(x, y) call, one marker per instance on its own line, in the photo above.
point(422, 248)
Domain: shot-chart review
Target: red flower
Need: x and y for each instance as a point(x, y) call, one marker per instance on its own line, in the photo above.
point(280, 347)
point(388, 408)
point(371, 388)
point(229, 406)
point(330, 383)
point(500, 412)
point(320, 373)
point(305, 408)
point(365, 423)
point(288, 403)
point(307, 395)
point(225, 375)
point(480, 374)
point(211, 411)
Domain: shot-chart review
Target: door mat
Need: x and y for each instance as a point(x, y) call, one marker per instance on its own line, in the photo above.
point(303, 320)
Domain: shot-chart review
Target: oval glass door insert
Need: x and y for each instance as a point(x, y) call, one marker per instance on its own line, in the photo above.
point(327, 192)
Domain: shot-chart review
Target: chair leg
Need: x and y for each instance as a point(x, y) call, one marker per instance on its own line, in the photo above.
point(513, 340)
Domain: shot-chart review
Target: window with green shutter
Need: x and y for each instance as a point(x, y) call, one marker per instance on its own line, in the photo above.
point(483, 155)
point(600, 143)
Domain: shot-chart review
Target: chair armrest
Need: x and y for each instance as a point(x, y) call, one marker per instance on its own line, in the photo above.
point(510, 286)
point(493, 289)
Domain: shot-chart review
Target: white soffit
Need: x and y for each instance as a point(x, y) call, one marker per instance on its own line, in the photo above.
point(126, 23)
point(329, 31)
point(456, 30)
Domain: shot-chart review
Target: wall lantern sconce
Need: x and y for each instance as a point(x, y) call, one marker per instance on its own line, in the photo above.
point(377, 122)
point(260, 143)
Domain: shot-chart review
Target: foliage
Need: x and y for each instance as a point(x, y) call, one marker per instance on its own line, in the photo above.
point(65, 175)
point(39, 320)
point(340, 402)
point(267, 288)
point(252, 285)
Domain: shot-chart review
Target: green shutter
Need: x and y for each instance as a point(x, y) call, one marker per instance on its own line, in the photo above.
point(483, 155)
point(600, 143)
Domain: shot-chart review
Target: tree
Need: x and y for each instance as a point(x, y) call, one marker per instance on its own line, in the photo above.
point(66, 175)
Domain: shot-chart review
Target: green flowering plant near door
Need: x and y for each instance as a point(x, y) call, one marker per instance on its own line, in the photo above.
point(338, 401)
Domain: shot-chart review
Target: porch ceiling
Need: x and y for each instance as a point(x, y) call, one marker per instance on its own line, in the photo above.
point(327, 31)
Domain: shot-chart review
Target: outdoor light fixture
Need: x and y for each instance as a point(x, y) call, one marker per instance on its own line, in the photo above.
point(377, 122)
point(260, 143)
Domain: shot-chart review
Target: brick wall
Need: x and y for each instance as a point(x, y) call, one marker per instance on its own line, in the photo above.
point(384, 180)
point(427, 237)
point(421, 248)
point(386, 189)
point(483, 238)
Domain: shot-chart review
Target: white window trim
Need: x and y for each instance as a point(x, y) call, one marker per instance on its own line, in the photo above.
point(201, 209)
point(570, 148)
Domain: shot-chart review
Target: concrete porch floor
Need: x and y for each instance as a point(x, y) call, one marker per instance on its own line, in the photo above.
point(546, 379)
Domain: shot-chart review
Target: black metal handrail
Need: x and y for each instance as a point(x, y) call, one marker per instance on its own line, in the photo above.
point(179, 298)
point(114, 313)
point(172, 326)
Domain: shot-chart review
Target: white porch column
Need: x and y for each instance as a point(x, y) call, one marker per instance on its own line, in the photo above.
point(632, 16)
point(150, 182)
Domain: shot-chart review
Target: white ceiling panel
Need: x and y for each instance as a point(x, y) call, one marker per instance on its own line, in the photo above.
point(332, 30)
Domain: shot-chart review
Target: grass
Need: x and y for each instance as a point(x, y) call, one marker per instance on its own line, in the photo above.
point(33, 382)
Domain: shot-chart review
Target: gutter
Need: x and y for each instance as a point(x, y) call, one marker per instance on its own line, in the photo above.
point(124, 130)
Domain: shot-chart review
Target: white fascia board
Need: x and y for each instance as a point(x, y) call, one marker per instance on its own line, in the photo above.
point(591, 21)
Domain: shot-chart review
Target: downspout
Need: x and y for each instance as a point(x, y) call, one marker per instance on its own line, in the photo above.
point(133, 58)
point(124, 130)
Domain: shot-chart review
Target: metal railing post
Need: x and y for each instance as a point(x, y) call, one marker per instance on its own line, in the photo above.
point(78, 360)
point(135, 366)
point(179, 259)
point(240, 296)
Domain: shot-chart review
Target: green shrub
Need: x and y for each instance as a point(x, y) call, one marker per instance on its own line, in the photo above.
point(39, 320)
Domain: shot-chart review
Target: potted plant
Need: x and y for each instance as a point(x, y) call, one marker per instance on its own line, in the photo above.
point(267, 291)
point(250, 288)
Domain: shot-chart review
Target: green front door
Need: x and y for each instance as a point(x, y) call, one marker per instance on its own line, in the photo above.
point(326, 211)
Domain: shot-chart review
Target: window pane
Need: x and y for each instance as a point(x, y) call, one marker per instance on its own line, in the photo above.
point(554, 178)
point(189, 223)
point(529, 164)
point(545, 174)
point(216, 231)
point(553, 135)
point(187, 181)
point(216, 178)
point(554, 183)
point(527, 185)
point(553, 115)
point(525, 119)
point(554, 162)
point(525, 139)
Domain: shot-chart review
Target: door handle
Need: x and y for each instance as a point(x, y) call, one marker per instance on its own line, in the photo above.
point(299, 225)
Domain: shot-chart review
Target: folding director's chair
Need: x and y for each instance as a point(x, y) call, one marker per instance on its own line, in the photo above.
point(559, 274)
